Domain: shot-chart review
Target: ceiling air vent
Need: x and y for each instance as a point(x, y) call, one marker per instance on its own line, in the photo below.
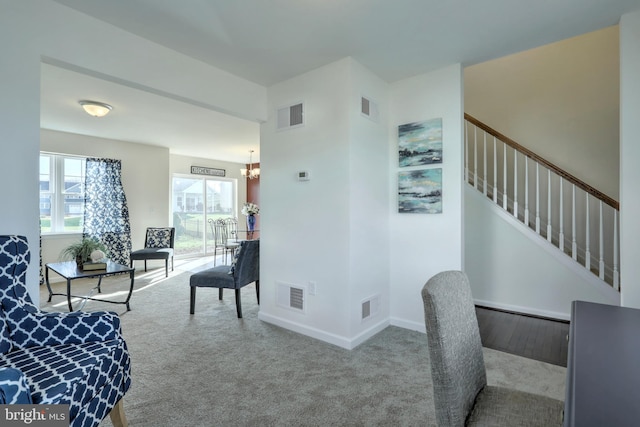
point(291, 116)
point(369, 109)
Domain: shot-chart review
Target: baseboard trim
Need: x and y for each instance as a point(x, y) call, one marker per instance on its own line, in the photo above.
point(340, 341)
point(534, 316)
point(525, 311)
point(407, 324)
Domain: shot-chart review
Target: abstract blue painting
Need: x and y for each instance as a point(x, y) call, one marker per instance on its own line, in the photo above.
point(420, 191)
point(420, 143)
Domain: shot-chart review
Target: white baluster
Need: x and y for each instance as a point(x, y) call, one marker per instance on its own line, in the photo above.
point(484, 176)
point(537, 197)
point(504, 177)
point(616, 275)
point(475, 158)
point(561, 233)
point(495, 172)
point(466, 149)
point(574, 244)
point(515, 183)
point(484, 168)
point(587, 251)
point(526, 191)
point(549, 229)
point(601, 244)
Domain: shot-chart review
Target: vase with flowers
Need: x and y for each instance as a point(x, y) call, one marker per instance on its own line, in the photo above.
point(250, 210)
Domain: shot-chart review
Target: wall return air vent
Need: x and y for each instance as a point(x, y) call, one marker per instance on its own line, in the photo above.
point(291, 296)
point(369, 109)
point(370, 307)
point(291, 116)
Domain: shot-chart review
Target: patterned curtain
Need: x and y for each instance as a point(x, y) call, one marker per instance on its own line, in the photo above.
point(106, 216)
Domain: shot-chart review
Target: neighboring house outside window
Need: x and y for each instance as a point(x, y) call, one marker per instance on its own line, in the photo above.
point(61, 193)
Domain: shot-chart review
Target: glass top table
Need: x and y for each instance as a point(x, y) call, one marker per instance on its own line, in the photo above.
point(70, 271)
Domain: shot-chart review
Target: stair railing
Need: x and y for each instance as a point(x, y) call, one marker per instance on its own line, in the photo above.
point(576, 218)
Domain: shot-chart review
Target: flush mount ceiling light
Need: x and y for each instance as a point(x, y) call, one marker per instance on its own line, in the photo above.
point(96, 109)
point(251, 172)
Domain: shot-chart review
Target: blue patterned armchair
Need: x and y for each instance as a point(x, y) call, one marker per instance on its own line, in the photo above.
point(78, 358)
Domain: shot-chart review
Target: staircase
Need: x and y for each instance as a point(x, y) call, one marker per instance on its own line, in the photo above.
point(577, 219)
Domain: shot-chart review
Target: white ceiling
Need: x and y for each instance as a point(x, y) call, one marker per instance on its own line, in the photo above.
point(143, 117)
point(270, 41)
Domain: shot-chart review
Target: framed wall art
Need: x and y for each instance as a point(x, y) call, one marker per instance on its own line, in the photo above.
point(420, 143)
point(420, 191)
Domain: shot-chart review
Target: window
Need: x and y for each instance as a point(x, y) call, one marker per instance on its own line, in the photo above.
point(61, 193)
point(194, 202)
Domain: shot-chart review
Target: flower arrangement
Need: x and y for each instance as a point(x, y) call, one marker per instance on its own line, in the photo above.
point(250, 209)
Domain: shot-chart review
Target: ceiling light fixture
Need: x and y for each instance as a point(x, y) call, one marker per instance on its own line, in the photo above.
point(96, 109)
point(250, 173)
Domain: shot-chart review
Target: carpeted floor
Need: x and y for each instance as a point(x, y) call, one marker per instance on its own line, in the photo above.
point(213, 369)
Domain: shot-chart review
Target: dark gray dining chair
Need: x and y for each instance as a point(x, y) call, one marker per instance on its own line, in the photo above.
point(244, 269)
point(461, 394)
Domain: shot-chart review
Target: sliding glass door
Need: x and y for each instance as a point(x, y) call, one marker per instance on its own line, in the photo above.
point(195, 202)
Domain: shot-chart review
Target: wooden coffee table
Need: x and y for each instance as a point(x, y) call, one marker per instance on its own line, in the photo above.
point(69, 271)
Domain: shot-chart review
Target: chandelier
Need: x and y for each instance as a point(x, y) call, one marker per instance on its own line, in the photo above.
point(252, 172)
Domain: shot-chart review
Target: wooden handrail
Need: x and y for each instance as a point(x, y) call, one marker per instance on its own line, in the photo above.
point(566, 175)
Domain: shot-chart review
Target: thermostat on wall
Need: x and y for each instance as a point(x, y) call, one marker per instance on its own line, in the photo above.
point(303, 176)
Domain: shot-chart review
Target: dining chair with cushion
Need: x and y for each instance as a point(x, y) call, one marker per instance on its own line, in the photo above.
point(461, 394)
point(158, 244)
point(244, 269)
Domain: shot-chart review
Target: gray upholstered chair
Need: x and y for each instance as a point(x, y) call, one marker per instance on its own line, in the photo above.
point(461, 394)
point(245, 269)
point(158, 244)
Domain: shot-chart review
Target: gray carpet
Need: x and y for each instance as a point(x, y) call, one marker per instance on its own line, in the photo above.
point(213, 369)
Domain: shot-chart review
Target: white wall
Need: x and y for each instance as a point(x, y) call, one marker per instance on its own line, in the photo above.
point(144, 178)
point(305, 225)
point(331, 230)
point(343, 225)
point(368, 204)
point(629, 156)
point(512, 269)
point(423, 245)
point(560, 100)
point(19, 136)
point(36, 30)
